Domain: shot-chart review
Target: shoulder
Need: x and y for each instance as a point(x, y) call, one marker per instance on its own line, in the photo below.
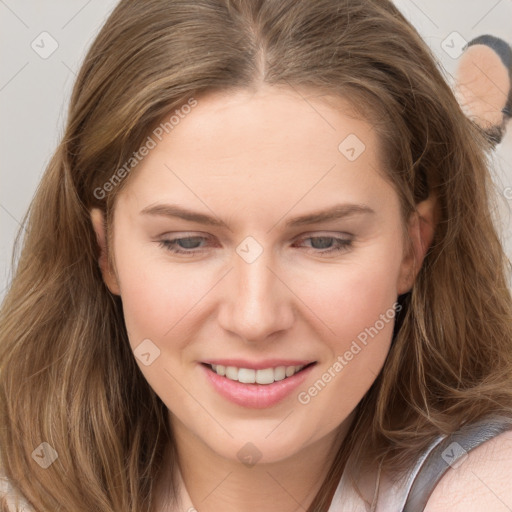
point(480, 482)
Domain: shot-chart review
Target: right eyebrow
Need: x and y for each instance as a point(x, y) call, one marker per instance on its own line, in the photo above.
point(171, 210)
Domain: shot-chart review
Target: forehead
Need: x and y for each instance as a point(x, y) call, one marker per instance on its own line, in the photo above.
point(273, 146)
point(281, 119)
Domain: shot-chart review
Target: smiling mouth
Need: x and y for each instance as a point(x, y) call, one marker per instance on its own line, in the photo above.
point(263, 376)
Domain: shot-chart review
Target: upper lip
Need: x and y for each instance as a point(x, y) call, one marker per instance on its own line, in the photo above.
point(258, 365)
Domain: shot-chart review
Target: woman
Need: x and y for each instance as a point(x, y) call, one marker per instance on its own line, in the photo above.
point(260, 272)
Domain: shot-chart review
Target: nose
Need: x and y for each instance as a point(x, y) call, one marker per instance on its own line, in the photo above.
point(257, 303)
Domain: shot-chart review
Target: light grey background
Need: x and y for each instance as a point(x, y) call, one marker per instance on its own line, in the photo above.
point(34, 91)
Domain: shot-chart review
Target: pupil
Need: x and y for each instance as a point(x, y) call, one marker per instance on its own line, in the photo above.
point(322, 239)
point(188, 243)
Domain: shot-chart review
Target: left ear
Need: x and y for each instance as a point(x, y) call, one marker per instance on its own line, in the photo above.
point(421, 227)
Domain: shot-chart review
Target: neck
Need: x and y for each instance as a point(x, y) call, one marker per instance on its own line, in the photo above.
point(216, 483)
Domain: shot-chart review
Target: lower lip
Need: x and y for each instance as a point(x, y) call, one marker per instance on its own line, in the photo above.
point(255, 396)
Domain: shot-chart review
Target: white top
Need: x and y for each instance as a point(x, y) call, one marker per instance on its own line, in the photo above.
point(391, 495)
point(7, 491)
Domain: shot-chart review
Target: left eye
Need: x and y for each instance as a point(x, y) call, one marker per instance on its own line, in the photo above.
point(191, 245)
point(329, 243)
point(188, 243)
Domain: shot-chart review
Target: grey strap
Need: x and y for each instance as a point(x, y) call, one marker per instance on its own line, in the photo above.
point(451, 452)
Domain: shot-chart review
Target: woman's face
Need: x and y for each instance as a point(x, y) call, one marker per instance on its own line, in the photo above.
point(259, 234)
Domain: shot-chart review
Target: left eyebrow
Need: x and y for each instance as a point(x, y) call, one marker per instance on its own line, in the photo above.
point(335, 212)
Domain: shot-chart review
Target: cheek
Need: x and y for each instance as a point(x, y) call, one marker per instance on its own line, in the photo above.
point(170, 303)
point(357, 303)
point(352, 295)
point(158, 297)
point(348, 295)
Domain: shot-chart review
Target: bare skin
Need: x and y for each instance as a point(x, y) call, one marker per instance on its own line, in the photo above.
point(256, 161)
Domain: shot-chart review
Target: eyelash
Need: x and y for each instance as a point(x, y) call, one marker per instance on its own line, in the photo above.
point(170, 245)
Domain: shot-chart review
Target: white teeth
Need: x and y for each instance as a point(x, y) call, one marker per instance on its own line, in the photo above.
point(265, 376)
point(232, 372)
point(246, 376)
point(280, 373)
point(290, 370)
point(249, 376)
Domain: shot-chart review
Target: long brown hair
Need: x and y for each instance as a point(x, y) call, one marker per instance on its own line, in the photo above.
point(67, 374)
